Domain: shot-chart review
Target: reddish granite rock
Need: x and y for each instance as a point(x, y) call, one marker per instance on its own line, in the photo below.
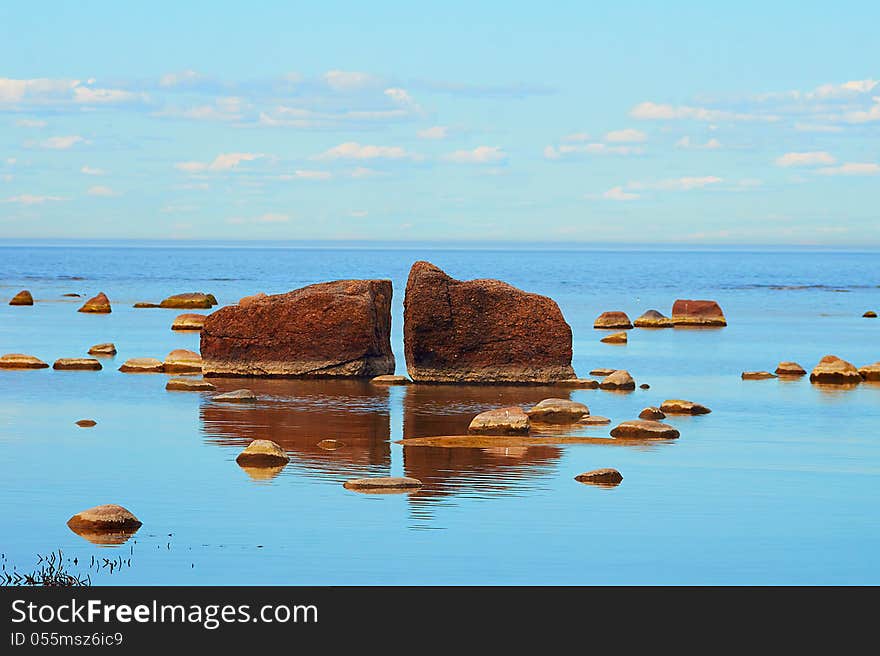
point(613, 320)
point(602, 477)
point(99, 304)
point(653, 413)
point(790, 369)
point(682, 407)
point(190, 300)
point(503, 421)
point(86, 423)
point(870, 372)
point(382, 484)
point(557, 411)
point(22, 298)
point(21, 361)
point(332, 329)
point(653, 319)
point(618, 380)
point(645, 429)
point(697, 313)
point(77, 364)
point(615, 338)
point(832, 370)
point(182, 361)
point(105, 349)
point(253, 298)
point(188, 322)
point(145, 304)
point(481, 331)
point(757, 375)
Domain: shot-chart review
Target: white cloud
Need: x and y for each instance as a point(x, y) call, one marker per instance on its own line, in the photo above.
point(815, 127)
point(557, 152)
point(364, 172)
point(813, 158)
point(479, 155)
point(30, 123)
point(88, 170)
point(224, 109)
point(101, 191)
point(663, 112)
point(354, 150)
point(91, 96)
point(40, 89)
point(618, 193)
point(62, 143)
point(29, 199)
point(850, 88)
point(852, 168)
point(400, 96)
point(301, 174)
point(348, 80)
point(435, 132)
point(872, 114)
point(223, 162)
point(628, 135)
point(687, 144)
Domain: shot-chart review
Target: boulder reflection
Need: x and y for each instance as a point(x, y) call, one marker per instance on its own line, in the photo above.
point(298, 414)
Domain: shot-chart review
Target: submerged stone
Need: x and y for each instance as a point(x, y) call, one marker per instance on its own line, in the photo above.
point(21, 361)
point(99, 304)
point(832, 370)
point(618, 380)
point(682, 407)
point(757, 375)
point(106, 349)
point(142, 366)
point(614, 319)
point(262, 453)
point(557, 411)
point(603, 477)
point(238, 396)
point(182, 361)
point(188, 322)
point(22, 298)
point(77, 364)
point(616, 338)
point(502, 421)
point(644, 429)
point(382, 483)
point(189, 385)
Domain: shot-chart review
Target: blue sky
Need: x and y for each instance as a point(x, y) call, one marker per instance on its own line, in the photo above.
point(673, 122)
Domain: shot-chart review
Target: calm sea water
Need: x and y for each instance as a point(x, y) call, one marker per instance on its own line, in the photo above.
point(780, 484)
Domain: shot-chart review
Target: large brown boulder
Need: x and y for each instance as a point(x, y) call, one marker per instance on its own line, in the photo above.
point(22, 298)
point(790, 369)
point(99, 304)
point(618, 380)
point(77, 364)
point(21, 361)
point(697, 313)
point(832, 370)
point(481, 331)
point(332, 329)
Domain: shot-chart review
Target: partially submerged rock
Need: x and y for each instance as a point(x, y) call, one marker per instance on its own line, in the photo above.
point(790, 369)
point(618, 380)
point(870, 314)
point(338, 329)
point(614, 319)
point(832, 370)
point(21, 361)
point(145, 304)
point(106, 349)
point(557, 411)
point(382, 483)
point(502, 421)
point(644, 429)
point(238, 396)
point(262, 453)
point(603, 477)
point(653, 319)
point(99, 304)
point(870, 372)
point(182, 361)
point(86, 423)
point(22, 298)
point(188, 322)
point(644, 386)
point(594, 420)
point(389, 379)
point(191, 300)
point(602, 372)
point(189, 385)
point(481, 331)
point(615, 338)
point(108, 517)
point(653, 413)
point(77, 364)
point(579, 383)
point(142, 366)
point(757, 375)
point(697, 313)
point(682, 407)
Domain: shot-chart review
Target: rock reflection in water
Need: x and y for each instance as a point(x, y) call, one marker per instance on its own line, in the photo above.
point(430, 410)
point(298, 414)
